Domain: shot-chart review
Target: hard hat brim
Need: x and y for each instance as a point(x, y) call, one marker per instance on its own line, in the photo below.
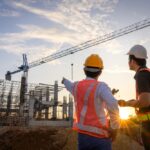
point(91, 69)
point(136, 57)
point(129, 53)
point(138, 51)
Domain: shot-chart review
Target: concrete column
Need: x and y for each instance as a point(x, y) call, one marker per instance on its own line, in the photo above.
point(22, 95)
point(70, 110)
point(9, 101)
point(31, 104)
point(47, 99)
point(64, 114)
point(55, 100)
point(40, 99)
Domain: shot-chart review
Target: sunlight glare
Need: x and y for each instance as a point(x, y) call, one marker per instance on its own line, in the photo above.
point(124, 114)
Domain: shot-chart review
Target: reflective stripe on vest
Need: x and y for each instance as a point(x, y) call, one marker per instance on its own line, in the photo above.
point(92, 129)
point(79, 123)
point(105, 124)
point(145, 69)
point(144, 117)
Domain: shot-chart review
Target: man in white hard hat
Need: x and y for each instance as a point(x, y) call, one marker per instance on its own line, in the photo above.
point(137, 62)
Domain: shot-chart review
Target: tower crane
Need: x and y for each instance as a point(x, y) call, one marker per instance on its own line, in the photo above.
point(107, 37)
point(24, 67)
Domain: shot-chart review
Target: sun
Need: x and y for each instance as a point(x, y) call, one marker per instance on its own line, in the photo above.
point(124, 114)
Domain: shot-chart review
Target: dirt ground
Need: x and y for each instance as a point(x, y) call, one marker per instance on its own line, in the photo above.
point(42, 138)
point(48, 138)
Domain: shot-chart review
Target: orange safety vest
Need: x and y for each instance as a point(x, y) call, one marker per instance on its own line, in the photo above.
point(87, 119)
point(142, 116)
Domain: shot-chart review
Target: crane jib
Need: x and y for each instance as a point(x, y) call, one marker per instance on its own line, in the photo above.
point(107, 37)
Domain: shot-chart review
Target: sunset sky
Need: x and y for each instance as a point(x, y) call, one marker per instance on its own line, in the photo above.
point(42, 27)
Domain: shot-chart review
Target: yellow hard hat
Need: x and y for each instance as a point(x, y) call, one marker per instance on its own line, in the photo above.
point(94, 60)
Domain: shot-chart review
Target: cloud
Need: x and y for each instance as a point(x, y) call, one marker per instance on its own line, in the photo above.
point(82, 16)
point(106, 6)
point(144, 41)
point(76, 22)
point(51, 36)
point(8, 13)
point(33, 52)
point(53, 16)
point(113, 47)
point(17, 43)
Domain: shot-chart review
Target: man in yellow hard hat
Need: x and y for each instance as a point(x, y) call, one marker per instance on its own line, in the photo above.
point(137, 62)
point(92, 99)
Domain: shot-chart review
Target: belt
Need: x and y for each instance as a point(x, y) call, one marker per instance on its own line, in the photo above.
point(144, 117)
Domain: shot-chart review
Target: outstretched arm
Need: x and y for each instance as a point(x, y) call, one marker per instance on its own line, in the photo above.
point(68, 84)
point(143, 101)
point(129, 103)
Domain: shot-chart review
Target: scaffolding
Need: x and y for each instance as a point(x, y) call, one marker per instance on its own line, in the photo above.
point(41, 102)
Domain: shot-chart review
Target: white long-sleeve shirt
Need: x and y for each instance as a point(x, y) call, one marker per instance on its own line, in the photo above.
point(105, 101)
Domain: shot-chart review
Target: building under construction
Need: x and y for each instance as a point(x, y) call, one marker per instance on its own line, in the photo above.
point(39, 104)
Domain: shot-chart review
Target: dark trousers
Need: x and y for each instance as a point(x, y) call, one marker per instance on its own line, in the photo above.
point(146, 135)
point(86, 142)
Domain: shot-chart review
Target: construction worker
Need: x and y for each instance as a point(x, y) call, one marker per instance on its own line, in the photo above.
point(137, 62)
point(92, 99)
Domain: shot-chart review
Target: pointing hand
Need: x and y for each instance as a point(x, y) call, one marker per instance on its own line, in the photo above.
point(122, 103)
point(63, 80)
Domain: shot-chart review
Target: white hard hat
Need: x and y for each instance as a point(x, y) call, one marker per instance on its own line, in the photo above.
point(138, 51)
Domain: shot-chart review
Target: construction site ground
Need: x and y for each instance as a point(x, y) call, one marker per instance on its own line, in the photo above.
point(52, 138)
